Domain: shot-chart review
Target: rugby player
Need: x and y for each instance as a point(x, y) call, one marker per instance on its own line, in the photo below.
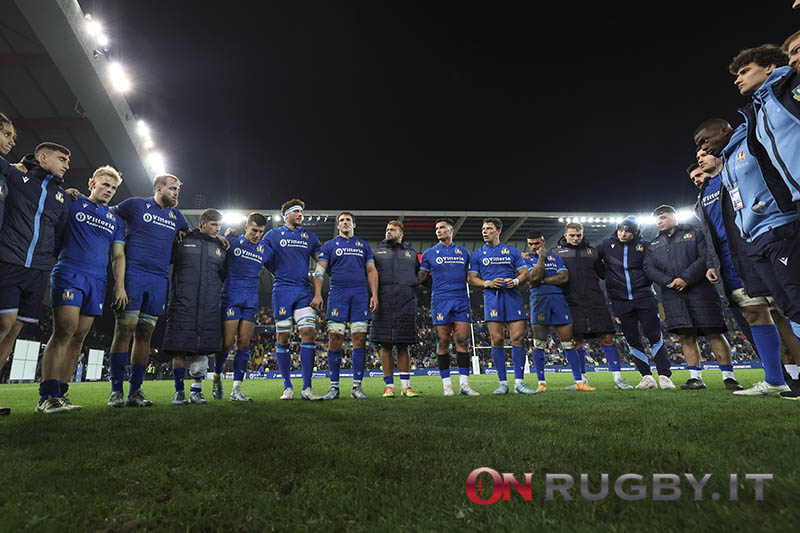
point(499, 269)
point(8, 139)
point(290, 248)
point(239, 302)
point(447, 264)
point(351, 266)
point(152, 225)
point(547, 274)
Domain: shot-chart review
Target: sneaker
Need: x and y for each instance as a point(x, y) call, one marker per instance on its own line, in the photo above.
point(238, 396)
point(115, 399)
point(197, 398)
point(138, 400)
point(501, 389)
point(332, 394)
point(51, 405)
point(522, 388)
point(466, 390)
point(69, 405)
point(5, 411)
point(309, 394)
point(388, 391)
point(216, 387)
point(732, 384)
point(665, 383)
point(288, 394)
point(622, 384)
point(542, 387)
point(358, 394)
point(762, 388)
point(180, 398)
point(793, 384)
point(571, 387)
point(409, 392)
point(790, 395)
point(448, 390)
point(647, 383)
point(693, 384)
point(583, 386)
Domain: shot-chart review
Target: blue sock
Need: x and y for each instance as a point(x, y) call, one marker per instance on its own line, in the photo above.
point(48, 388)
point(726, 368)
point(116, 369)
point(463, 371)
point(582, 359)
point(444, 373)
point(612, 356)
point(219, 362)
point(538, 363)
point(334, 364)
point(389, 380)
point(284, 364)
point(196, 387)
point(768, 342)
point(137, 377)
point(499, 358)
point(405, 377)
point(359, 354)
point(573, 359)
point(518, 360)
point(307, 363)
point(240, 364)
point(179, 374)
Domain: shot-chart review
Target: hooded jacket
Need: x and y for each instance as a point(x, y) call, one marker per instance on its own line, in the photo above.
point(394, 322)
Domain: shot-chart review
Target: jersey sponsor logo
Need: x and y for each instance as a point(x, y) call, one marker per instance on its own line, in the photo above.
point(147, 217)
point(60, 197)
point(292, 243)
point(439, 317)
point(96, 222)
point(67, 295)
point(80, 217)
point(740, 156)
point(493, 313)
point(237, 252)
point(687, 236)
point(230, 311)
point(339, 252)
point(486, 261)
point(451, 260)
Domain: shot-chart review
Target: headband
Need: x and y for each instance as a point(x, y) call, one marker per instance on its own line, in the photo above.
point(293, 208)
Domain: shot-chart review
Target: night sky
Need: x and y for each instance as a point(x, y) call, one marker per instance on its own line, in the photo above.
point(473, 106)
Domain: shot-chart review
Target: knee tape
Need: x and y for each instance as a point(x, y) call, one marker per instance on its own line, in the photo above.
point(359, 327)
point(568, 345)
point(336, 327)
point(198, 366)
point(305, 318)
point(541, 344)
point(283, 326)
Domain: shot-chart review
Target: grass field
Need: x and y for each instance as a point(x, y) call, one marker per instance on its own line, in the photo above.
point(390, 463)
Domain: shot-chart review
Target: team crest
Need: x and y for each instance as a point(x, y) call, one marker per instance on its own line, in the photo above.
point(230, 311)
point(439, 317)
point(505, 251)
point(172, 215)
point(282, 311)
point(687, 236)
point(304, 235)
point(260, 248)
point(67, 295)
point(458, 251)
point(110, 216)
point(740, 156)
point(334, 312)
point(60, 197)
point(493, 313)
point(796, 93)
point(219, 252)
point(408, 254)
point(540, 317)
point(589, 251)
point(640, 248)
point(359, 244)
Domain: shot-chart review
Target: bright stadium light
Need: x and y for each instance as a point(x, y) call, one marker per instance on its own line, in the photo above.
point(142, 128)
point(93, 27)
point(102, 40)
point(561, 219)
point(590, 219)
point(156, 163)
point(230, 218)
point(148, 143)
point(119, 79)
point(684, 215)
point(583, 219)
point(276, 216)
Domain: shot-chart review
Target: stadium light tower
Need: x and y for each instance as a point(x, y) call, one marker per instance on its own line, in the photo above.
point(119, 79)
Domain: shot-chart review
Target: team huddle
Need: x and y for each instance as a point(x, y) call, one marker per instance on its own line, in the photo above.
point(747, 238)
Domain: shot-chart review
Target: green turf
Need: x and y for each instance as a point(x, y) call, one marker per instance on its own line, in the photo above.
point(381, 463)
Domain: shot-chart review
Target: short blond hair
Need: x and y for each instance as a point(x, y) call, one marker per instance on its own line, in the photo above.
point(107, 170)
point(397, 224)
point(161, 180)
point(573, 225)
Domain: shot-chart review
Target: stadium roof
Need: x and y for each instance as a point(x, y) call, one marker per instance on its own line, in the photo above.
point(370, 225)
point(57, 87)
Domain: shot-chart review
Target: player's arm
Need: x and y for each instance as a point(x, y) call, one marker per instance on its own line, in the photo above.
point(561, 278)
point(522, 274)
point(319, 278)
point(118, 267)
point(536, 274)
point(372, 281)
point(653, 272)
point(424, 271)
point(475, 280)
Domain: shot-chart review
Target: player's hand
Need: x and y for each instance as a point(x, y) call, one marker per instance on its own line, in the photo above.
point(316, 304)
point(224, 242)
point(73, 192)
point(120, 298)
point(20, 167)
point(711, 275)
point(541, 252)
point(526, 255)
point(179, 235)
point(497, 283)
point(678, 284)
point(373, 304)
point(229, 231)
point(509, 283)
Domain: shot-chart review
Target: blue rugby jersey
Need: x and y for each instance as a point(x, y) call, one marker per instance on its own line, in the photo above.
point(552, 266)
point(448, 268)
point(347, 261)
point(244, 263)
point(290, 252)
point(90, 232)
point(501, 261)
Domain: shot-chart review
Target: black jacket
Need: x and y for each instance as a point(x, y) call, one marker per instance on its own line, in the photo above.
point(684, 255)
point(36, 211)
point(753, 285)
point(395, 320)
point(624, 268)
point(584, 295)
point(193, 315)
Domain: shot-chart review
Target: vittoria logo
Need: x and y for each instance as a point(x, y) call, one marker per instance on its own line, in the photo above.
point(230, 311)
point(740, 156)
point(60, 197)
point(67, 295)
point(493, 313)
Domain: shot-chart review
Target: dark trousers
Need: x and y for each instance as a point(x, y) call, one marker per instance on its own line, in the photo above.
point(643, 311)
point(776, 256)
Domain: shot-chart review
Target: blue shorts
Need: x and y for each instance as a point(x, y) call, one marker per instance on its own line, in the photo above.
point(348, 305)
point(448, 311)
point(68, 287)
point(550, 310)
point(286, 301)
point(22, 291)
point(503, 305)
point(239, 305)
point(147, 293)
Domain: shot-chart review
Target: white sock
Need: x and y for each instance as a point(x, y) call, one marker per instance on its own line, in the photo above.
point(463, 380)
point(584, 379)
point(504, 382)
point(542, 382)
point(727, 374)
point(405, 383)
point(237, 386)
point(793, 370)
point(696, 374)
point(617, 375)
point(517, 381)
point(446, 382)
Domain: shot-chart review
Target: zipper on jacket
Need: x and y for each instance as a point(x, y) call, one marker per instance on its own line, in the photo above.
point(787, 175)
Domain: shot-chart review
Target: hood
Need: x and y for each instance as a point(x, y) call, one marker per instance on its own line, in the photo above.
point(37, 172)
point(762, 93)
point(738, 136)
